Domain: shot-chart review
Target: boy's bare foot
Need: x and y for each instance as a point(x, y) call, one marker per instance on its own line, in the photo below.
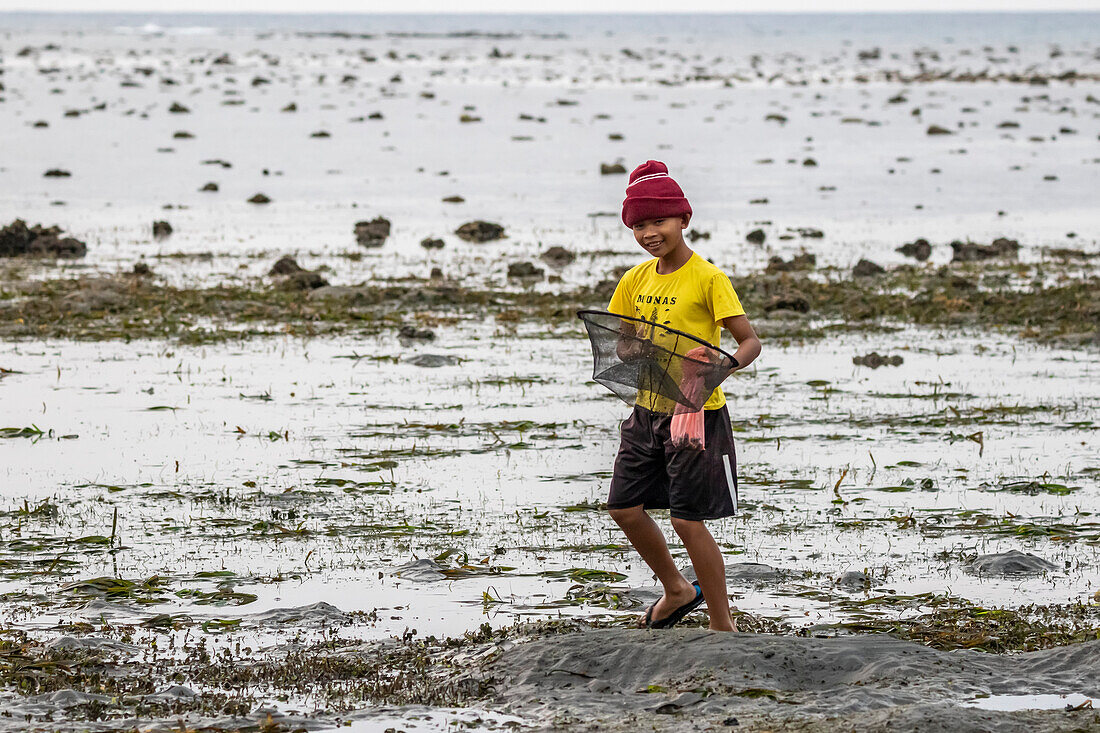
point(717, 625)
point(668, 603)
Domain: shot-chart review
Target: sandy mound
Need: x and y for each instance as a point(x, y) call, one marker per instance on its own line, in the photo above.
point(618, 678)
point(1010, 563)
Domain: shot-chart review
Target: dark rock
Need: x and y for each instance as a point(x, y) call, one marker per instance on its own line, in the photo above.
point(972, 252)
point(17, 239)
point(809, 163)
point(372, 233)
point(430, 243)
point(210, 187)
point(412, 332)
point(57, 173)
point(480, 231)
point(694, 235)
point(161, 229)
point(286, 265)
point(611, 169)
point(436, 274)
point(937, 130)
point(557, 256)
point(178, 109)
point(804, 261)
point(523, 270)
point(304, 280)
point(1012, 562)
point(259, 199)
point(756, 236)
point(223, 60)
point(809, 232)
point(874, 360)
point(141, 270)
point(292, 107)
point(919, 250)
point(866, 268)
point(431, 361)
point(453, 200)
point(790, 301)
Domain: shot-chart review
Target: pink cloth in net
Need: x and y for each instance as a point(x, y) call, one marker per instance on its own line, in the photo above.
point(687, 428)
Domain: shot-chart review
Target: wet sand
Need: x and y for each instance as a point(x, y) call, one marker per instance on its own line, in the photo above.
point(621, 679)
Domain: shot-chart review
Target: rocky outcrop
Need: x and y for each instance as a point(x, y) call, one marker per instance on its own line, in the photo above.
point(920, 249)
point(866, 268)
point(803, 261)
point(972, 252)
point(372, 233)
point(19, 240)
point(480, 231)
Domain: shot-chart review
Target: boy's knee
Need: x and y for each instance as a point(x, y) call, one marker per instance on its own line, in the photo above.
point(687, 526)
point(627, 515)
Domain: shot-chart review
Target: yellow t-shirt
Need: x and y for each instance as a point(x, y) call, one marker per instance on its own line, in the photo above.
point(693, 299)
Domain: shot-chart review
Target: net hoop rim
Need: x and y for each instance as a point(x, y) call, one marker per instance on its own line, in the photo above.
point(585, 311)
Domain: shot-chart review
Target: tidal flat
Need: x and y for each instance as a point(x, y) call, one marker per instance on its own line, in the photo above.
point(288, 496)
point(297, 430)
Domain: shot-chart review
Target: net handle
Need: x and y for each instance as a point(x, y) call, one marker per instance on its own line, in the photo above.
point(589, 311)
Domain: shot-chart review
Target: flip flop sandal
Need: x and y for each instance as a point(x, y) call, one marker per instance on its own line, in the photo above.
point(676, 616)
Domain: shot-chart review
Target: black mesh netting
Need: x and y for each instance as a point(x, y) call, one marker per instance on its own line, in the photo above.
point(656, 367)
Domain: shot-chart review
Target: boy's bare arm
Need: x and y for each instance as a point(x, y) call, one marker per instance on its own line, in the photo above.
point(748, 343)
point(630, 346)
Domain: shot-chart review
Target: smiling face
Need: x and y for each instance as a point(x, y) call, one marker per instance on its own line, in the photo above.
point(662, 236)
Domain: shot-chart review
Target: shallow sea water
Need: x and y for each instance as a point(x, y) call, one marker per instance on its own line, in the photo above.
point(1030, 702)
point(312, 476)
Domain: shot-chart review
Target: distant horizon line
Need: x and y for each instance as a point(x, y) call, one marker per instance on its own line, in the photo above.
point(1044, 11)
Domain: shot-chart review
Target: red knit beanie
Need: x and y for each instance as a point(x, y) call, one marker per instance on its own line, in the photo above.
point(651, 194)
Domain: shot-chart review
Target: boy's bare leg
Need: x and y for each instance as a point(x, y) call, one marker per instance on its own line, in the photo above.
point(650, 543)
point(710, 569)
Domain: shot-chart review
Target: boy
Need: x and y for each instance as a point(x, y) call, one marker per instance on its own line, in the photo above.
point(679, 289)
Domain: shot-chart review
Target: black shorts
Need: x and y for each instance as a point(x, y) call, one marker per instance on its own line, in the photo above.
point(692, 484)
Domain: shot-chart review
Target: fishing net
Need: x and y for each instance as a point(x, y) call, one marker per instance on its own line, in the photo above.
point(658, 368)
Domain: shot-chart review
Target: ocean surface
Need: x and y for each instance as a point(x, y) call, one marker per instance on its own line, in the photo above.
point(785, 122)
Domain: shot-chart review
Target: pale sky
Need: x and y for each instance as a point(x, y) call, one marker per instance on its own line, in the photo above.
point(558, 6)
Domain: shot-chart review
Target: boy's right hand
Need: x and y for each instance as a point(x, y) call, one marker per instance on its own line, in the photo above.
point(631, 348)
